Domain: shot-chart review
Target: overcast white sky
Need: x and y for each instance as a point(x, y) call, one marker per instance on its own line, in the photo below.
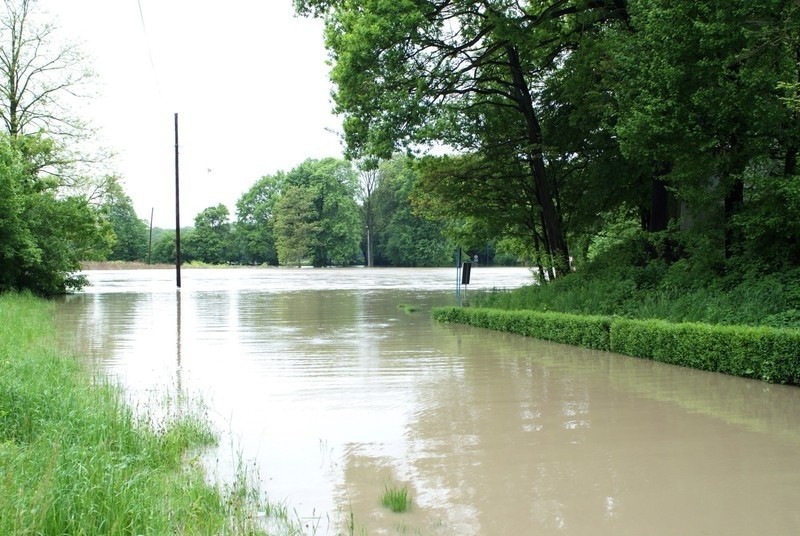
point(247, 78)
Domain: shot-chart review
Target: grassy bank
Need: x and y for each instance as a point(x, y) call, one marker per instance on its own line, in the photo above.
point(123, 265)
point(135, 265)
point(74, 459)
point(759, 300)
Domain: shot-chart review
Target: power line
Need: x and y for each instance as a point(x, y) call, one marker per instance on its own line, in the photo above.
point(149, 51)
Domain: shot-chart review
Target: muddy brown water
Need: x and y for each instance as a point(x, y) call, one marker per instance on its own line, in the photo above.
point(334, 393)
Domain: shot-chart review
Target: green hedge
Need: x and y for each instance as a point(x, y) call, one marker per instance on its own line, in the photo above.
point(769, 354)
point(587, 331)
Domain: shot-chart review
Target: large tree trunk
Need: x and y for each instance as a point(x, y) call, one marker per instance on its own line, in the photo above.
point(552, 222)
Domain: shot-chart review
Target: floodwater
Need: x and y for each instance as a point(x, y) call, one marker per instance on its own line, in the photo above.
point(335, 394)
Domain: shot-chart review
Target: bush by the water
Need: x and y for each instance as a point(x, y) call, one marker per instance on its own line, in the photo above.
point(765, 353)
point(738, 316)
point(74, 459)
point(587, 331)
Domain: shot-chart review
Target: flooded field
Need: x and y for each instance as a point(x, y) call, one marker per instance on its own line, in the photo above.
point(336, 393)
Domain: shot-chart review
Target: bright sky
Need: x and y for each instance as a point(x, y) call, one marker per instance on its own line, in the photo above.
point(247, 78)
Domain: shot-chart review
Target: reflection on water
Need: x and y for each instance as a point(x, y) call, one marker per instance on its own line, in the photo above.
point(337, 393)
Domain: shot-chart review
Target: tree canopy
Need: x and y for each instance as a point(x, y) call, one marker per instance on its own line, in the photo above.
point(130, 232)
point(567, 117)
point(331, 184)
point(43, 236)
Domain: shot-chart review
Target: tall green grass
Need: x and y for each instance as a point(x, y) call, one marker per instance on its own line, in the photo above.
point(74, 459)
point(396, 498)
point(637, 293)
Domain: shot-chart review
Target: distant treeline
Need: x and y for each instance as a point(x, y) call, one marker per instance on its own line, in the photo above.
point(321, 213)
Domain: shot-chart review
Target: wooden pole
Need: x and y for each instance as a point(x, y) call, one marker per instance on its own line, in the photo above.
point(177, 210)
point(150, 240)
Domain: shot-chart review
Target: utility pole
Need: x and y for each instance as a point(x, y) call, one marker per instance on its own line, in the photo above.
point(150, 240)
point(177, 210)
point(369, 250)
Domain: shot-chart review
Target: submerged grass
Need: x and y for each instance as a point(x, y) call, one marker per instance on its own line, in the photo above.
point(396, 498)
point(74, 459)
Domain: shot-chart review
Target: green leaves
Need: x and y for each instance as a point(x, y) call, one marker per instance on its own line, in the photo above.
point(765, 353)
point(210, 241)
point(296, 226)
point(43, 236)
point(681, 115)
point(130, 232)
point(330, 186)
point(254, 229)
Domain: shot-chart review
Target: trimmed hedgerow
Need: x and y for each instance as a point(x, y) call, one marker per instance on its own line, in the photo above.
point(769, 354)
point(765, 353)
point(587, 331)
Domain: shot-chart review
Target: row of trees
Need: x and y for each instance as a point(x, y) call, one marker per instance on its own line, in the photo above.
point(570, 124)
point(59, 205)
point(322, 213)
point(675, 120)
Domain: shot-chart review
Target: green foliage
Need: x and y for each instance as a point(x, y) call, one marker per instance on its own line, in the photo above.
point(406, 78)
point(43, 236)
point(624, 282)
point(310, 215)
point(396, 499)
point(412, 241)
point(130, 232)
point(210, 240)
point(74, 459)
point(296, 226)
point(676, 117)
point(404, 237)
point(475, 199)
point(254, 229)
point(770, 238)
point(768, 354)
point(331, 186)
point(163, 248)
point(586, 331)
point(764, 353)
point(408, 308)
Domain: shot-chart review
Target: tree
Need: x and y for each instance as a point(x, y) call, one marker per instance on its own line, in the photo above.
point(210, 240)
point(130, 232)
point(296, 226)
point(574, 119)
point(332, 185)
point(49, 224)
point(43, 237)
point(402, 236)
point(456, 72)
point(254, 228)
point(699, 99)
point(41, 80)
point(369, 180)
point(163, 249)
point(37, 74)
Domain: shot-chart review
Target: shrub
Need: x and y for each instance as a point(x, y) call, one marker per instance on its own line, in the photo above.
point(396, 499)
point(765, 353)
point(586, 331)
